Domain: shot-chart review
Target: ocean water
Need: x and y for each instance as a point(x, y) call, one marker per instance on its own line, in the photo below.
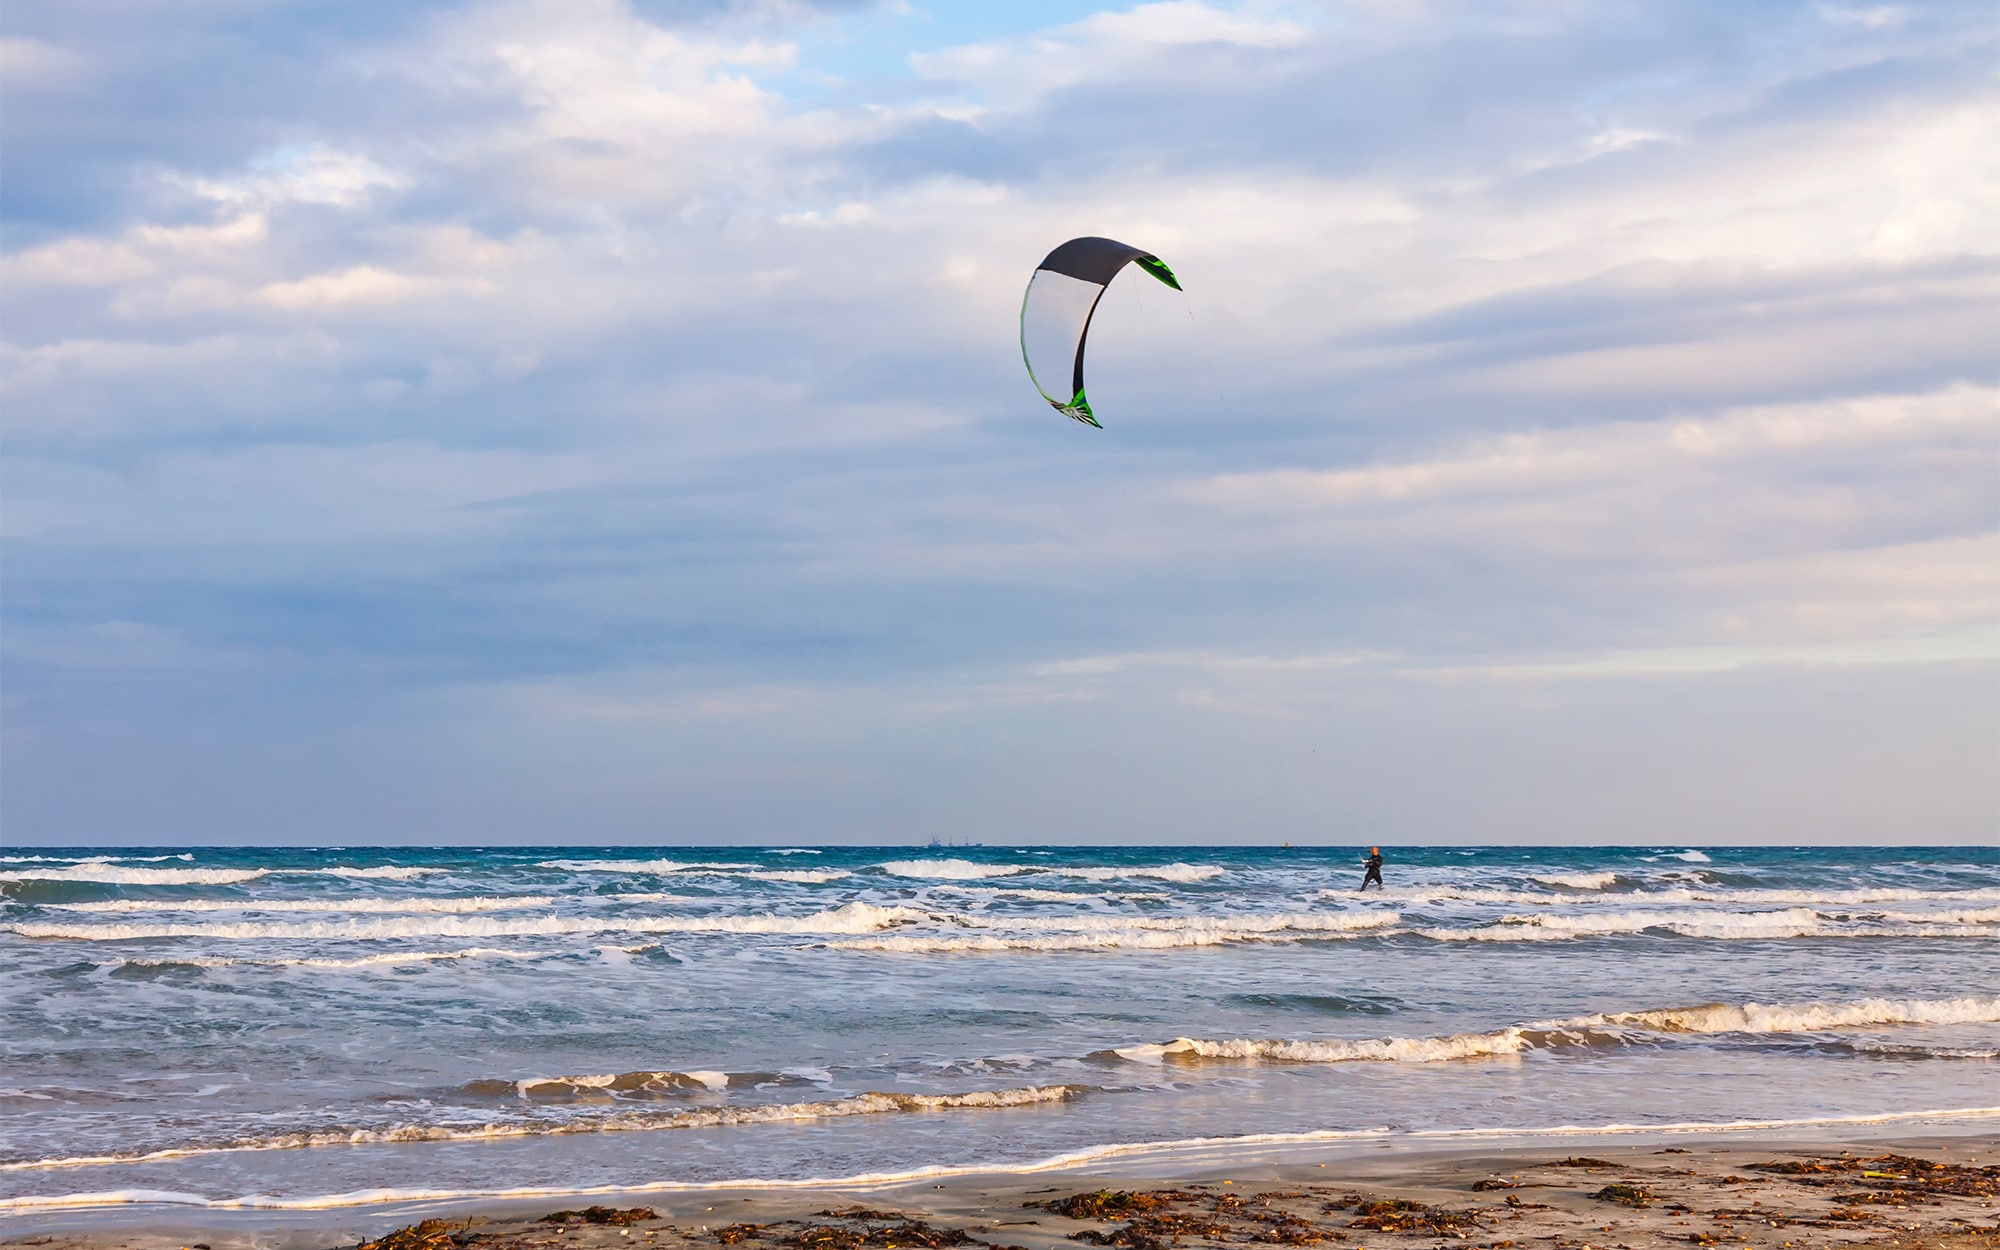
point(303, 1029)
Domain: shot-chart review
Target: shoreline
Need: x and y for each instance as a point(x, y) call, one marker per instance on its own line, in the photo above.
point(1685, 1174)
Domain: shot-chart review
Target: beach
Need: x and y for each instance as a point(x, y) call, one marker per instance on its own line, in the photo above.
point(213, 1039)
point(1912, 1194)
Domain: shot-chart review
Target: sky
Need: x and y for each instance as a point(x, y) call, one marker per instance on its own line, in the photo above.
point(546, 421)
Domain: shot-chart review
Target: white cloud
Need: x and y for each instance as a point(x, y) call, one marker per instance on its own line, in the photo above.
point(1600, 456)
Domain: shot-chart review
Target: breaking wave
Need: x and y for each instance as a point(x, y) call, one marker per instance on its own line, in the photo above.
point(1602, 1031)
point(1804, 1017)
point(621, 1122)
point(1579, 880)
point(654, 867)
point(852, 918)
point(1183, 874)
point(115, 874)
point(386, 959)
point(1073, 933)
point(1387, 1049)
point(949, 869)
point(621, 1085)
point(356, 906)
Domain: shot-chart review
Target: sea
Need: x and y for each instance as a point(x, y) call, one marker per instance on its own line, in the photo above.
point(300, 1030)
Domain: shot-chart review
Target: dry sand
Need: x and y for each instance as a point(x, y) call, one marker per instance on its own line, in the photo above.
point(1787, 1197)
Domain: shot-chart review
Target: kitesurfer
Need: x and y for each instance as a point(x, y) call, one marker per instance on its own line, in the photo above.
point(1374, 866)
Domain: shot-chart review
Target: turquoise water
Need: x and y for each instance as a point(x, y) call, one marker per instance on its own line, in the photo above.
point(307, 1028)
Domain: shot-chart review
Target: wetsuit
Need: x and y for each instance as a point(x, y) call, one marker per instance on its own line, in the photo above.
point(1374, 875)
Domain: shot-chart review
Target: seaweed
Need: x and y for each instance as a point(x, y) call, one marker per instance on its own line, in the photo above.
point(1625, 1195)
point(1107, 1204)
point(1906, 1174)
point(1152, 1232)
point(862, 1213)
point(1883, 1197)
point(909, 1233)
point(1579, 1161)
point(427, 1235)
point(1492, 1183)
point(1397, 1215)
point(734, 1233)
point(615, 1216)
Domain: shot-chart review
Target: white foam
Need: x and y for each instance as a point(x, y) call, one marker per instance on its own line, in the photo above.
point(855, 917)
point(621, 1082)
point(1578, 880)
point(623, 1122)
point(1234, 1148)
point(356, 906)
point(386, 959)
point(654, 867)
point(949, 869)
point(1793, 922)
point(114, 874)
point(1802, 1017)
point(798, 876)
point(1073, 933)
point(1386, 1049)
point(387, 872)
point(1185, 874)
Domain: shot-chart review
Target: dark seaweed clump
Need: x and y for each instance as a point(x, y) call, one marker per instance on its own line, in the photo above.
point(1903, 1175)
point(602, 1215)
point(1106, 1204)
point(1625, 1195)
point(429, 1235)
point(1152, 1221)
point(909, 1233)
point(1580, 1161)
point(1398, 1215)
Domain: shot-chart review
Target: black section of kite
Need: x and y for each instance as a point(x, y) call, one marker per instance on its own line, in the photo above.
point(1070, 281)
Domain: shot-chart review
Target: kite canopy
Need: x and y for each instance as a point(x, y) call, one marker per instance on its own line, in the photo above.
point(1056, 311)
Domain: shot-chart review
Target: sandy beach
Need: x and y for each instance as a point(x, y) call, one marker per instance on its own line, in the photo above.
point(1916, 1193)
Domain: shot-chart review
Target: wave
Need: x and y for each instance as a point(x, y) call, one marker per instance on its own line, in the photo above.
point(874, 1103)
point(656, 867)
point(853, 918)
point(1028, 894)
point(386, 959)
point(799, 876)
point(1907, 1050)
point(1387, 1049)
point(640, 1084)
point(114, 874)
point(1803, 1017)
point(387, 872)
point(1579, 880)
point(1234, 1148)
point(1600, 1031)
point(949, 869)
point(507, 902)
point(1073, 933)
point(1185, 874)
point(1792, 922)
point(1418, 895)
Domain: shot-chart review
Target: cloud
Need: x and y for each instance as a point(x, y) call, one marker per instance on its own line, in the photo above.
point(557, 375)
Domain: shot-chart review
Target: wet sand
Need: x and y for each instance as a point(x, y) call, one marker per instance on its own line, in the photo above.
point(1784, 1196)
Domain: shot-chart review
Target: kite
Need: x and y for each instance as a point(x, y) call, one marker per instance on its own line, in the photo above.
point(1058, 305)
